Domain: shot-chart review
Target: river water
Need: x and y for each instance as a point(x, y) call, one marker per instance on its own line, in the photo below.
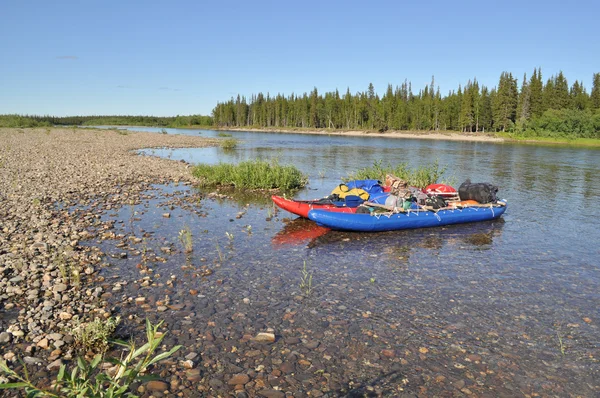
point(503, 308)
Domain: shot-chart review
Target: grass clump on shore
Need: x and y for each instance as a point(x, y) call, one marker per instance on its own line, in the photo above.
point(252, 174)
point(418, 177)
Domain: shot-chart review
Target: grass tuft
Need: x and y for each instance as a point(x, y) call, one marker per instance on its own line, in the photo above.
point(252, 174)
point(229, 143)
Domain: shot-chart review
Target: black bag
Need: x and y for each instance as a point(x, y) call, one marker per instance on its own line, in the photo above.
point(436, 202)
point(482, 192)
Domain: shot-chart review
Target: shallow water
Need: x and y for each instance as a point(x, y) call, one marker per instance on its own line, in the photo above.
point(508, 307)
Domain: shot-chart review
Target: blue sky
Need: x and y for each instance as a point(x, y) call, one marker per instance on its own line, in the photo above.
point(182, 57)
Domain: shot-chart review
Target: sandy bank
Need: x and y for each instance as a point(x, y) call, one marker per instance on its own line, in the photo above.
point(425, 135)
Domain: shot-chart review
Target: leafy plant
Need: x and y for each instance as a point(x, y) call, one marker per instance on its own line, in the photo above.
point(87, 379)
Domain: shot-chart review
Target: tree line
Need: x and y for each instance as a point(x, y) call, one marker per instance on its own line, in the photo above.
point(533, 108)
point(153, 121)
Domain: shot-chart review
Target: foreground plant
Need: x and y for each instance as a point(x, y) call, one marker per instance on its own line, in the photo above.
point(86, 379)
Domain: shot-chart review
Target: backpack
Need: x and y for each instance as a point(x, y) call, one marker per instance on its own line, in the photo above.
point(436, 202)
point(482, 192)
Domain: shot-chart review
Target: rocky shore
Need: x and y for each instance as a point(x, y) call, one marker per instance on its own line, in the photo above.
point(46, 274)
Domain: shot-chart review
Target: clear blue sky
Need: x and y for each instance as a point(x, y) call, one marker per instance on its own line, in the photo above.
point(182, 57)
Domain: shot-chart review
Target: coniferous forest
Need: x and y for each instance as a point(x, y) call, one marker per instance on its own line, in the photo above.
point(529, 108)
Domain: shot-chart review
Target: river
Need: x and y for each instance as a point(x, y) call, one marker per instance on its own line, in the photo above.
point(502, 308)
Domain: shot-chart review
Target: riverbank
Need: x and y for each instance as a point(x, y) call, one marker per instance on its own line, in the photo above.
point(49, 277)
point(433, 135)
point(425, 135)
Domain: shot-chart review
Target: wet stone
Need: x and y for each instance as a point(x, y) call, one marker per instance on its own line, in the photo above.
point(271, 393)
point(239, 379)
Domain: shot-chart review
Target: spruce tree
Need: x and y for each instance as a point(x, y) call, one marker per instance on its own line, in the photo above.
point(505, 105)
point(524, 105)
point(595, 95)
point(536, 88)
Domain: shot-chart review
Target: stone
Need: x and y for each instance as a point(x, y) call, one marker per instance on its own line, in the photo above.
point(18, 333)
point(61, 287)
point(270, 393)
point(157, 385)
point(65, 316)
point(265, 337)
point(241, 378)
point(55, 364)
point(193, 375)
point(43, 343)
point(4, 338)
point(41, 246)
point(215, 383)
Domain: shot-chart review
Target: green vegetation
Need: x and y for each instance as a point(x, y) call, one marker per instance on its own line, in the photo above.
point(229, 143)
point(153, 121)
point(252, 174)
point(22, 121)
point(472, 109)
point(88, 379)
point(222, 134)
point(306, 281)
point(185, 237)
point(94, 336)
point(420, 177)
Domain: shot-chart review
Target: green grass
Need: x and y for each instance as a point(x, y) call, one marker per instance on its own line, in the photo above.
point(222, 134)
point(588, 142)
point(252, 174)
point(229, 143)
point(419, 177)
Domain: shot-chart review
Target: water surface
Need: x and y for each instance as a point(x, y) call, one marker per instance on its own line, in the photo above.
point(507, 307)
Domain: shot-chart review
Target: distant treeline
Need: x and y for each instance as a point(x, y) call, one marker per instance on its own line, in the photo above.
point(153, 121)
point(552, 109)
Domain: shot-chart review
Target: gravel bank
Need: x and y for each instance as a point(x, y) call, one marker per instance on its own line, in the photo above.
point(44, 271)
